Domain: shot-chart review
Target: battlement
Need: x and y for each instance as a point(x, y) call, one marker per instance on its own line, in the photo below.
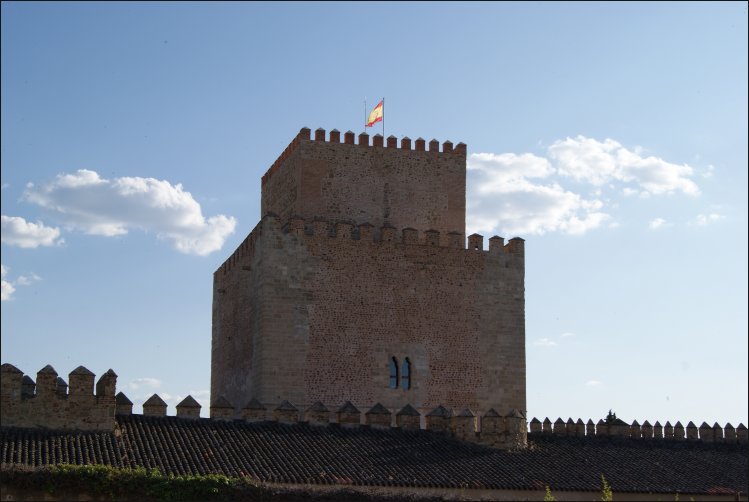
point(656, 431)
point(367, 234)
point(245, 250)
point(51, 403)
point(349, 137)
point(381, 183)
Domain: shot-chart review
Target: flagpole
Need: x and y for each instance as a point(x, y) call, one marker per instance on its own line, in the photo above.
point(365, 114)
point(383, 118)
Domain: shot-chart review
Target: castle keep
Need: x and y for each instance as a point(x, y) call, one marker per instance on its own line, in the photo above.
point(357, 286)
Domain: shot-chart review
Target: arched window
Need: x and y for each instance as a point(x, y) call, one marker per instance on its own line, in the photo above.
point(393, 373)
point(406, 374)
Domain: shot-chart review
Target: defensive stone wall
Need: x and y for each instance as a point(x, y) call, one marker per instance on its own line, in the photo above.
point(49, 402)
point(314, 310)
point(401, 186)
point(620, 428)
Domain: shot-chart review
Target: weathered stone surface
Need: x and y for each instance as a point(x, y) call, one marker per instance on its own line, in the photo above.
point(47, 403)
point(361, 258)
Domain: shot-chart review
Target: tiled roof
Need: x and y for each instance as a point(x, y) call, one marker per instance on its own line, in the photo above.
point(298, 453)
point(38, 447)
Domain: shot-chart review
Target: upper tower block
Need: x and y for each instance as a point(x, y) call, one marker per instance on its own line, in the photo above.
point(367, 182)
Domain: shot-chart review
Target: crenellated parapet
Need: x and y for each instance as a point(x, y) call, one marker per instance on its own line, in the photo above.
point(366, 233)
point(350, 138)
point(490, 428)
point(621, 429)
point(243, 253)
point(50, 402)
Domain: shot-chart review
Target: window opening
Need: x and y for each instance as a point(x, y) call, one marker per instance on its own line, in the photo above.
point(406, 374)
point(393, 373)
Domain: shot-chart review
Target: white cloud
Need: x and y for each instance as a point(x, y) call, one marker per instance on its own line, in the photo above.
point(708, 173)
point(525, 193)
point(502, 198)
point(656, 223)
point(588, 160)
point(99, 206)
point(567, 335)
point(545, 342)
point(593, 383)
point(145, 382)
point(8, 287)
point(16, 231)
point(27, 280)
point(706, 219)
point(4, 186)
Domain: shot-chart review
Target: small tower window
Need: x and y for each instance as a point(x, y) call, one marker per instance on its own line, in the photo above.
point(406, 374)
point(393, 373)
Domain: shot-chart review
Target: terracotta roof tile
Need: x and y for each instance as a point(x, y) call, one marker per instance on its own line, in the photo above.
point(299, 453)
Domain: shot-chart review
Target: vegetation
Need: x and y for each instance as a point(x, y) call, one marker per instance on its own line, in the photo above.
point(101, 482)
point(549, 497)
point(606, 493)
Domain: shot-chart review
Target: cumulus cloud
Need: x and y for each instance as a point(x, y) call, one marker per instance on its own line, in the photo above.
point(656, 223)
point(593, 383)
point(528, 194)
point(567, 334)
point(706, 219)
point(502, 197)
point(99, 206)
point(595, 162)
point(16, 231)
point(8, 287)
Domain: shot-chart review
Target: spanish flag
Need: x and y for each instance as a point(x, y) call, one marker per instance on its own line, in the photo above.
point(376, 114)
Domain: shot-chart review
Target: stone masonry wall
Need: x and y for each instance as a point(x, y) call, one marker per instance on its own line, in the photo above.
point(49, 403)
point(419, 188)
point(334, 303)
point(235, 322)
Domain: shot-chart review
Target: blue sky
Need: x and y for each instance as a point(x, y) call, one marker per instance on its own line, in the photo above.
point(612, 137)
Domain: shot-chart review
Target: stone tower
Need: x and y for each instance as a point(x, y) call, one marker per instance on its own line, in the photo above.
point(357, 285)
